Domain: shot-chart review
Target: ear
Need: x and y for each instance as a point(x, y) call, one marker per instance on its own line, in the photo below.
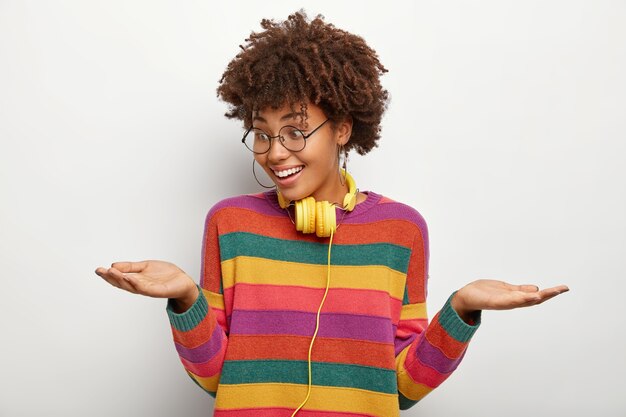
point(343, 130)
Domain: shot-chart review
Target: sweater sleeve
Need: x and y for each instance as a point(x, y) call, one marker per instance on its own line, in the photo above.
point(426, 353)
point(201, 333)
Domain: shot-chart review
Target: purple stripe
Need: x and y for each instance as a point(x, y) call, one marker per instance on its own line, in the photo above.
point(400, 344)
point(205, 351)
point(347, 326)
point(433, 357)
point(256, 204)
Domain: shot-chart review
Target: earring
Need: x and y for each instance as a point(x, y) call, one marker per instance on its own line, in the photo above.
point(340, 150)
point(257, 180)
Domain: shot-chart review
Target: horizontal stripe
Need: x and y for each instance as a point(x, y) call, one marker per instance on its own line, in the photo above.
point(205, 351)
point(251, 245)
point(215, 300)
point(433, 357)
point(247, 347)
point(266, 271)
point(209, 368)
point(425, 374)
point(325, 398)
point(303, 324)
point(282, 412)
point(407, 331)
point(209, 384)
point(322, 373)
point(297, 298)
point(396, 231)
point(413, 311)
point(411, 389)
point(248, 202)
point(437, 336)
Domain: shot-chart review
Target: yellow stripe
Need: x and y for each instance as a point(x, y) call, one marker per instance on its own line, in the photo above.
point(209, 383)
point(292, 395)
point(267, 271)
point(409, 388)
point(413, 311)
point(215, 300)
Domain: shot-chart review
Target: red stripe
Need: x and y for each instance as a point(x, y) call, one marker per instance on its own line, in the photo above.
point(438, 337)
point(297, 298)
point(252, 347)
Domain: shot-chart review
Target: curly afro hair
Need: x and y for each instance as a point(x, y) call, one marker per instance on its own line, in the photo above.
point(300, 61)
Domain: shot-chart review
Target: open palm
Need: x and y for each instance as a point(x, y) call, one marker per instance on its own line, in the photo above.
point(152, 278)
point(488, 294)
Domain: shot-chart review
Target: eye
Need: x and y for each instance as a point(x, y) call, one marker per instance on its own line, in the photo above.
point(291, 133)
point(260, 135)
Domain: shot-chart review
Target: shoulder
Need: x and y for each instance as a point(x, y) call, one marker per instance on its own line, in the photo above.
point(241, 204)
point(389, 209)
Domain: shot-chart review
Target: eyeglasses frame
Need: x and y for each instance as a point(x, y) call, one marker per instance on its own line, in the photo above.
point(304, 136)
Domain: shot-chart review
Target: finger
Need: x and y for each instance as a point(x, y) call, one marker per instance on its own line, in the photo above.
point(527, 288)
point(130, 266)
point(519, 299)
point(559, 288)
point(119, 280)
point(112, 280)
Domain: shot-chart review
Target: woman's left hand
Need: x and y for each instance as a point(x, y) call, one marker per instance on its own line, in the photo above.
point(488, 294)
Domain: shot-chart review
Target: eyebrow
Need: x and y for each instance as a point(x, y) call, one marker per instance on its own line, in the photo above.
point(287, 116)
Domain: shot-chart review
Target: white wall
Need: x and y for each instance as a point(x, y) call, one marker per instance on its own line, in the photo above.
point(506, 130)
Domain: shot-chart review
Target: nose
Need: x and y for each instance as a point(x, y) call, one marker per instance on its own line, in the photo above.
point(277, 151)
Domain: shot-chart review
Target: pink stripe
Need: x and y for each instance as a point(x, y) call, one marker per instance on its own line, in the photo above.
point(298, 298)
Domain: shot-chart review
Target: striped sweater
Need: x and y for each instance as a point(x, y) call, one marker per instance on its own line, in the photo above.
point(246, 338)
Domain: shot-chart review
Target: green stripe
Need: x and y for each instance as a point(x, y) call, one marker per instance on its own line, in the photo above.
point(454, 325)
point(405, 403)
point(249, 244)
point(323, 373)
point(186, 321)
point(211, 393)
point(405, 299)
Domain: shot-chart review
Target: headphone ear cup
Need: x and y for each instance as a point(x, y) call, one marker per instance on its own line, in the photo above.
point(326, 218)
point(305, 215)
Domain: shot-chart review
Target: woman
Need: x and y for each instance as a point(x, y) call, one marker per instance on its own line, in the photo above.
point(286, 321)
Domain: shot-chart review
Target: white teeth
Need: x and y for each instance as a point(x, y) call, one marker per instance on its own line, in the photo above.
point(287, 172)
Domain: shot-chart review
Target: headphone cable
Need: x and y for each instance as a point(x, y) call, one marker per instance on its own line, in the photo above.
point(317, 324)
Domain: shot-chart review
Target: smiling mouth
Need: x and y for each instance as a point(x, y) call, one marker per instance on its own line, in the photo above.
point(288, 172)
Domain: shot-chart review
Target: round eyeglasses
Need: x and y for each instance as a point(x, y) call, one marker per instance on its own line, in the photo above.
point(292, 138)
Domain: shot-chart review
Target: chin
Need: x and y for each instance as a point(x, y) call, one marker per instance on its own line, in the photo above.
point(291, 194)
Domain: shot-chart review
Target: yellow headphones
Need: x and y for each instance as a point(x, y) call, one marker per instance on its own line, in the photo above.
point(319, 216)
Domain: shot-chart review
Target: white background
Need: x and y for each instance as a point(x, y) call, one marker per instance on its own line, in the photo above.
point(506, 130)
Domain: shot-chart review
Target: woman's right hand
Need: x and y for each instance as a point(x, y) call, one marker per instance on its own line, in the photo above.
point(154, 279)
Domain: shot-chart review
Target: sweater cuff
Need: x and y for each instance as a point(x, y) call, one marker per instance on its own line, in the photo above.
point(454, 325)
point(192, 317)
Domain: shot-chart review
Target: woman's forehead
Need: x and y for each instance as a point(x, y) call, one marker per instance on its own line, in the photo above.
point(286, 111)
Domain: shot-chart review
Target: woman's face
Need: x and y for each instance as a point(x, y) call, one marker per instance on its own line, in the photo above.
point(315, 168)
